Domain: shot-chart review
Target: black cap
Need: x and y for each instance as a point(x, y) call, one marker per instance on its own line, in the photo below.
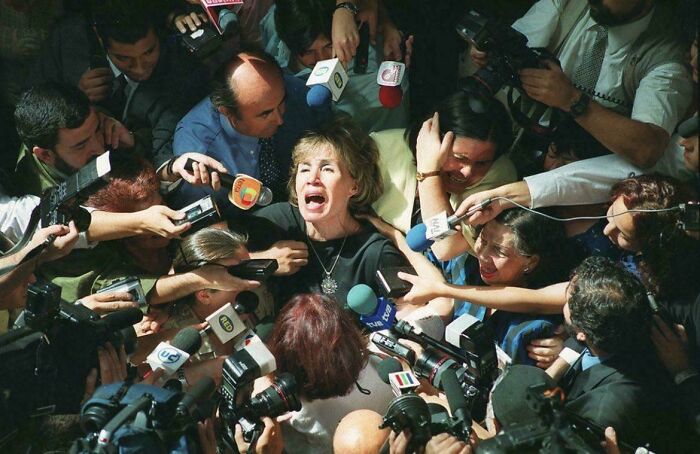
point(509, 396)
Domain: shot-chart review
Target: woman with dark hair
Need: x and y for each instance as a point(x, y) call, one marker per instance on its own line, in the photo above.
point(334, 179)
point(319, 343)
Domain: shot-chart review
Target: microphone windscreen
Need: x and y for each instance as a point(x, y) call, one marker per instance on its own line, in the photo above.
point(362, 299)
point(388, 366)
point(122, 319)
point(689, 127)
point(187, 340)
point(416, 238)
point(390, 97)
point(318, 96)
point(248, 301)
point(265, 197)
point(228, 20)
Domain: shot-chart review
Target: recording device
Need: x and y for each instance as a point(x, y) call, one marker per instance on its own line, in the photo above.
point(246, 302)
point(660, 310)
point(390, 286)
point(391, 346)
point(556, 430)
point(279, 398)
point(327, 81)
point(254, 269)
point(172, 356)
point(130, 285)
point(226, 323)
point(46, 359)
point(246, 191)
point(389, 78)
point(362, 51)
point(477, 340)
point(223, 21)
point(421, 236)
point(200, 214)
point(508, 54)
point(145, 416)
point(375, 313)
point(60, 204)
point(690, 216)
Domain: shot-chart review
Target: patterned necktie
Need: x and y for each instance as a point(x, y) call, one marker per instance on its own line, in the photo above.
point(587, 73)
point(270, 172)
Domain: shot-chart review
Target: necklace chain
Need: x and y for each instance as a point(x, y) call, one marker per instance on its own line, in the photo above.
point(328, 285)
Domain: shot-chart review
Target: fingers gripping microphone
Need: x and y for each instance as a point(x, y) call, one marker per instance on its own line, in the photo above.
point(389, 77)
point(438, 227)
point(327, 81)
point(171, 357)
point(375, 313)
point(246, 191)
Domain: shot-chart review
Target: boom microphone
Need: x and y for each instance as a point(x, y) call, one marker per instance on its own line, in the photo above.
point(375, 313)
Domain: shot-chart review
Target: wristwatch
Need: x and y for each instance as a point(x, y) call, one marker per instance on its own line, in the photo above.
point(579, 107)
point(348, 6)
point(420, 176)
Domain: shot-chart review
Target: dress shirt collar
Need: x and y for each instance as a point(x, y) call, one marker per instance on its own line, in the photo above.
point(117, 73)
point(622, 35)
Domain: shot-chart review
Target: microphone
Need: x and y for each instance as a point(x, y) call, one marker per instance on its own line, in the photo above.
point(198, 393)
point(224, 19)
point(375, 313)
point(421, 236)
point(403, 382)
point(119, 320)
point(327, 81)
point(170, 357)
point(226, 323)
point(457, 402)
point(389, 77)
point(388, 366)
point(391, 346)
point(246, 191)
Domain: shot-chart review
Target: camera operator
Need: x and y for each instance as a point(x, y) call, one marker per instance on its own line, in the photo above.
point(618, 381)
point(600, 44)
point(61, 133)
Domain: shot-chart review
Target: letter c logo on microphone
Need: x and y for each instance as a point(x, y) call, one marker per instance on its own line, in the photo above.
point(169, 355)
point(226, 323)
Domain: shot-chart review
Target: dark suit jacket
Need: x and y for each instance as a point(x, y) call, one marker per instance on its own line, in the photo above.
point(634, 397)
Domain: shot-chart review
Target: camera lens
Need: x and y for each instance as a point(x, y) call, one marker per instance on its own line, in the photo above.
point(278, 399)
point(409, 412)
point(431, 364)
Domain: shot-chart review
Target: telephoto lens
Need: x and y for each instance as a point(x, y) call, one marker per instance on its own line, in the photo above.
point(277, 399)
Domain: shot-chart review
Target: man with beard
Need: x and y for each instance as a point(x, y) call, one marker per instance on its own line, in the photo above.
point(621, 72)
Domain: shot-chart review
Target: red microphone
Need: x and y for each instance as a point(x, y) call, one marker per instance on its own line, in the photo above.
point(389, 77)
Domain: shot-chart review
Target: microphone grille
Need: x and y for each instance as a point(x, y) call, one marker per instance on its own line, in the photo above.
point(416, 238)
point(265, 197)
point(362, 299)
point(388, 366)
point(318, 96)
point(188, 340)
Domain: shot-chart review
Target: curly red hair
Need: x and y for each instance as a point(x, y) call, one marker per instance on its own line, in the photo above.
point(133, 180)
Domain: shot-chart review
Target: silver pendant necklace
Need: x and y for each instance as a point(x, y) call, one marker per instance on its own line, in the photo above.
point(328, 285)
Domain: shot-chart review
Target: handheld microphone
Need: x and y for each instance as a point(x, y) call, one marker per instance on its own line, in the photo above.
point(388, 366)
point(375, 313)
point(391, 346)
point(170, 357)
point(438, 227)
point(246, 191)
point(226, 323)
point(403, 382)
point(389, 77)
point(199, 393)
point(327, 81)
point(224, 19)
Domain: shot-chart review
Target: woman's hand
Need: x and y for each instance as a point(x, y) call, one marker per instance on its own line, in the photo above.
point(151, 322)
point(671, 345)
point(422, 290)
point(192, 21)
point(290, 256)
point(217, 277)
point(344, 35)
point(104, 303)
point(158, 219)
point(205, 170)
point(480, 215)
point(545, 351)
point(431, 151)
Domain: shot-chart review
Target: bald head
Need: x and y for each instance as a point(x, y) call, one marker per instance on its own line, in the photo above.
point(359, 433)
point(251, 94)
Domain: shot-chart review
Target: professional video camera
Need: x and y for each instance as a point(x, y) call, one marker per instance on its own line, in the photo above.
point(508, 54)
point(147, 417)
point(47, 358)
point(239, 372)
point(555, 430)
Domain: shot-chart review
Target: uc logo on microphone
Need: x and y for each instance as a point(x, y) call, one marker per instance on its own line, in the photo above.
point(226, 323)
point(169, 355)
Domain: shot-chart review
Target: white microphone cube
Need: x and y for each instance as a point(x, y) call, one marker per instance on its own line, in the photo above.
point(167, 357)
point(330, 74)
point(226, 323)
point(402, 382)
point(390, 73)
point(438, 227)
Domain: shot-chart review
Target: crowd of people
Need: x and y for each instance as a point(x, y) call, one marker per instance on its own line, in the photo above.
point(560, 200)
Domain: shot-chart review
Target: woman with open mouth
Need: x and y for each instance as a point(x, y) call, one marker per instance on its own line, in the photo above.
point(334, 178)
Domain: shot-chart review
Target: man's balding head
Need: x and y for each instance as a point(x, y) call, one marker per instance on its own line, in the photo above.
point(251, 94)
point(359, 433)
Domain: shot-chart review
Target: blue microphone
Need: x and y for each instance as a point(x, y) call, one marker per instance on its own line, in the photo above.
point(375, 313)
point(416, 238)
point(318, 96)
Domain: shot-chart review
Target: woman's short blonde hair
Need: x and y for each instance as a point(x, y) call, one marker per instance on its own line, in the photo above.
point(356, 151)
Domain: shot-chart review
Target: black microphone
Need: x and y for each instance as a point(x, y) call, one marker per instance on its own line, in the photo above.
point(171, 357)
point(388, 366)
point(118, 320)
point(198, 393)
point(456, 401)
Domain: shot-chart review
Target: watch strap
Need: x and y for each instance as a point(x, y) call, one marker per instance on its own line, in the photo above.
point(348, 6)
point(420, 176)
point(579, 106)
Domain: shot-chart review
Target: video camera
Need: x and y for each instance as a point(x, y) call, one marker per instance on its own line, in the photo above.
point(152, 418)
point(508, 54)
point(48, 356)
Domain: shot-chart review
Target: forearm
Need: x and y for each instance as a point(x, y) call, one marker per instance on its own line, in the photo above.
point(548, 300)
point(641, 144)
point(433, 200)
point(106, 226)
point(176, 286)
